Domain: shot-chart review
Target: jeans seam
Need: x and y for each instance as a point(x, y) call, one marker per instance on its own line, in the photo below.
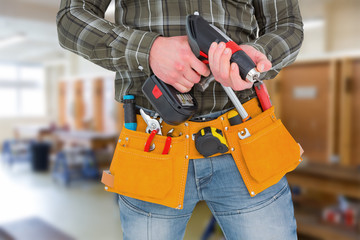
point(149, 221)
point(258, 207)
point(197, 183)
point(209, 176)
point(216, 217)
point(132, 207)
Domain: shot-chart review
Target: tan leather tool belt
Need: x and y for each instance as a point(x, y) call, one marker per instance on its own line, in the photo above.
point(263, 157)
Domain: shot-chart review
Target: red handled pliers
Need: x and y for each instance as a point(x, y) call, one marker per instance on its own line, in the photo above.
point(167, 141)
point(153, 127)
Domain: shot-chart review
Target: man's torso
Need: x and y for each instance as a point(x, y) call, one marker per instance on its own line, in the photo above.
point(168, 18)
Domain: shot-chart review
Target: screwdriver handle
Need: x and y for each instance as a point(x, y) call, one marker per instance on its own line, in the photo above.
point(263, 95)
point(129, 112)
point(247, 67)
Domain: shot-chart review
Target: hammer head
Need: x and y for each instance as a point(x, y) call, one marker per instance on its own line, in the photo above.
point(204, 83)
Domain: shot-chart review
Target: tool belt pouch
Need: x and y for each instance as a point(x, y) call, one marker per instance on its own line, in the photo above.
point(148, 176)
point(265, 156)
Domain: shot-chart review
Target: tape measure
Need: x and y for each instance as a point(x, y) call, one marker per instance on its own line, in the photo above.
point(209, 141)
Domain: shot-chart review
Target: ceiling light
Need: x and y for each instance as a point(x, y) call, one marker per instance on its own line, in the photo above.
point(313, 23)
point(7, 41)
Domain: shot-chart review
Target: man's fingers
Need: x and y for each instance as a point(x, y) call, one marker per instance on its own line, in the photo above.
point(199, 67)
point(235, 76)
point(211, 52)
point(191, 76)
point(237, 83)
point(225, 64)
point(261, 61)
point(216, 63)
point(181, 88)
point(263, 65)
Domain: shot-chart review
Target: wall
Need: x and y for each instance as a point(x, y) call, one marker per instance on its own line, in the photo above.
point(330, 27)
point(343, 18)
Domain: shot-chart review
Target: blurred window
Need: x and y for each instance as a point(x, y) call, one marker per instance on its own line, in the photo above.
point(22, 90)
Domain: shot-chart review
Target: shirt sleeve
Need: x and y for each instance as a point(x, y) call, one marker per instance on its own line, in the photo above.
point(83, 30)
point(280, 32)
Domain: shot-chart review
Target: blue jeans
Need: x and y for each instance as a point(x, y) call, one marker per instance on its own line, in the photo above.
point(216, 180)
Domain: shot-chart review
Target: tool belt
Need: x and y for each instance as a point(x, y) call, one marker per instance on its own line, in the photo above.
point(262, 158)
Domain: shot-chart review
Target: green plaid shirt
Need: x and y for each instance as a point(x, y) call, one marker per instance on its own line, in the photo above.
point(274, 27)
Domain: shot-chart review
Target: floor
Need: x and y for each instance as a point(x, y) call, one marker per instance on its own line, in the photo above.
point(83, 210)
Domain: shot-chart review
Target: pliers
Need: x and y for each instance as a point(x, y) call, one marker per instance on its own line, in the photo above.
point(152, 124)
point(153, 127)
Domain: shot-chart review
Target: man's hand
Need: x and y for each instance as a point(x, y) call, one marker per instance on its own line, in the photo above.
point(228, 75)
point(172, 60)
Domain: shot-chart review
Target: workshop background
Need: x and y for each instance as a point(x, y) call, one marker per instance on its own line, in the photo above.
point(59, 124)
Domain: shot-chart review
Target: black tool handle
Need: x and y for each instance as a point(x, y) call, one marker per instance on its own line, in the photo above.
point(129, 112)
point(244, 62)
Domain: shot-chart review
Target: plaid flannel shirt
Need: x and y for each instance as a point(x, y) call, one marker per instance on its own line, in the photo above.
point(273, 27)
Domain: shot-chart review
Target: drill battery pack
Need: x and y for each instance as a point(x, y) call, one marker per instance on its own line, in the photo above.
point(173, 106)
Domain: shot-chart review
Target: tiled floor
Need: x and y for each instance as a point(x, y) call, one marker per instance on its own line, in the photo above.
point(83, 210)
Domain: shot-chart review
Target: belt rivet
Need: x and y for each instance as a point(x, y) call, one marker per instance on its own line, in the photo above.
point(226, 128)
point(106, 188)
point(127, 139)
point(186, 124)
point(187, 156)
point(187, 136)
point(232, 149)
point(222, 118)
point(252, 193)
point(119, 140)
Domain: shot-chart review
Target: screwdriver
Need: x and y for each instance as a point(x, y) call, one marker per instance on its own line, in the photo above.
point(129, 112)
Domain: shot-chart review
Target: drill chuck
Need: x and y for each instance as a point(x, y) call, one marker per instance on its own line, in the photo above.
point(253, 75)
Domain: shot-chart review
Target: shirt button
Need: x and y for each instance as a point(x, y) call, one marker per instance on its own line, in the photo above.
point(140, 68)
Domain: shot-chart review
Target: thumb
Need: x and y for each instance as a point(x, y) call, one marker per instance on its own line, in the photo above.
point(263, 65)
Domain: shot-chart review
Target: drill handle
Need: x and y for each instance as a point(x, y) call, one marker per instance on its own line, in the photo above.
point(244, 62)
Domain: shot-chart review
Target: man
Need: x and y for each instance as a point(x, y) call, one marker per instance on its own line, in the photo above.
point(150, 37)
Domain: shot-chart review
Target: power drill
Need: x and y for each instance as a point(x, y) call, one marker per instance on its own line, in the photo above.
point(175, 107)
point(201, 35)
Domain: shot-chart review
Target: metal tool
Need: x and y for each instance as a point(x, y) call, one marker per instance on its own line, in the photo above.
point(152, 124)
point(175, 107)
point(244, 134)
point(201, 35)
point(239, 107)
